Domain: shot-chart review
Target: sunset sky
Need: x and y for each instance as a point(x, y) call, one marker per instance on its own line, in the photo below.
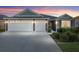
point(49, 10)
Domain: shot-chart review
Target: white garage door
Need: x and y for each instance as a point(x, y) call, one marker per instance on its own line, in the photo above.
point(27, 26)
point(40, 26)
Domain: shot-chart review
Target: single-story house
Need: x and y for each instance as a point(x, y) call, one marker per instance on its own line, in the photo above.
point(29, 20)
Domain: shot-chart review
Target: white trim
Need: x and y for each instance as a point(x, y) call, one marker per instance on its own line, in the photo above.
point(25, 21)
point(25, 18)
point(75, 23)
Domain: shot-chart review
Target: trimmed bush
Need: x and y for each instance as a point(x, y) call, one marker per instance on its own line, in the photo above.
point(56, 35)
point(62, 30)
point(2, 30)
point(49, 29)
point(77, 30)
point(67, 36)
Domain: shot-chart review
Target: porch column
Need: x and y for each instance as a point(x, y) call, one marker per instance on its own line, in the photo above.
point(33, 24)
point(46, 25)
point(5, 24)
point(57, 25)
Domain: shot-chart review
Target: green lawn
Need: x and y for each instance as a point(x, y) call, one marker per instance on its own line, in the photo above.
point(69, 47)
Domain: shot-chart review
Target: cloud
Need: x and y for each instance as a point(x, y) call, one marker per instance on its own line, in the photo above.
point(10, 11)
point(42, 10)
point(56, 11)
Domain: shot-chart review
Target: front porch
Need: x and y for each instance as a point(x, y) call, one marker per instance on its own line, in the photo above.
point(55, 25)
point(63, 21)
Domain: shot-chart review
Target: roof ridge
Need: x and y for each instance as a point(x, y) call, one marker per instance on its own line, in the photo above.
point(28, 12)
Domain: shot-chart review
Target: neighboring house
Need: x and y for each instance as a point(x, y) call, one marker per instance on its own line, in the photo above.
point(76, 21)
point(28, 20)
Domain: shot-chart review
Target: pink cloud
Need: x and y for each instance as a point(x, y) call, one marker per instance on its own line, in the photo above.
point(10, 11)
point(54, 11)
point(49, 11)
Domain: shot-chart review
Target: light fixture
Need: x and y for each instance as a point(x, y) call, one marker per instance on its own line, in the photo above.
point(33, 21)
point(6, 22)
point(56, 25)
point(56, 22)
point(46, 21)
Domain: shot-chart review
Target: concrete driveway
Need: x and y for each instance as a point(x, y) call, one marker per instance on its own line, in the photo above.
point(27, 42)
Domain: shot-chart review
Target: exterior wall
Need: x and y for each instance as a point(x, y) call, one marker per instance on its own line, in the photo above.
point(73, 23)
point(59, 23)
point(34, 21)
point(52, 25)
point(65, 24)
point(76, 22)
point(2, 24)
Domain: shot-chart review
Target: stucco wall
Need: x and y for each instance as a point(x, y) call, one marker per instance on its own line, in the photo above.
point(76, 22)
point(2, 24)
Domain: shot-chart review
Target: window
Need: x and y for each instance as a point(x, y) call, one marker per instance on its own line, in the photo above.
point(65, 24)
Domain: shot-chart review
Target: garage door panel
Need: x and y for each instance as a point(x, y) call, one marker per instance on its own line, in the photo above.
point(20, 27)
point(28, 26)
point(40, 26)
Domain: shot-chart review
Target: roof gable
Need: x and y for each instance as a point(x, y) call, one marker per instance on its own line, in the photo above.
point(28, 13)
point(2, 16)
point(77, 17)
point(65, 17)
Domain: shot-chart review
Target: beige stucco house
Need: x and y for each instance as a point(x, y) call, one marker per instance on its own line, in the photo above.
point(30, 21)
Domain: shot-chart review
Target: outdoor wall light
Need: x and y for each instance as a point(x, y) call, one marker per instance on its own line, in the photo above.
point(56, 25)
point(6, 22)
point(56, 22)
point(46, 21)
point(33, 21)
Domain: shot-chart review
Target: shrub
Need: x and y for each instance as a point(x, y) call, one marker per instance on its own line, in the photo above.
point(56, 35)
point(62, 30)
point(66, 36)
point(69, 37)
point(77, 30)
point(78, 36)
point(63, 37)
point(49, 29)
point(2, 30)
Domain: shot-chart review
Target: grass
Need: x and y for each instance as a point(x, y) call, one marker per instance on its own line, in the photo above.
point(69, 47)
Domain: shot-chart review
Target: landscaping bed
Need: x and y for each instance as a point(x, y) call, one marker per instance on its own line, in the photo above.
point(2, 30)
point(66, 35)
point(67, 39)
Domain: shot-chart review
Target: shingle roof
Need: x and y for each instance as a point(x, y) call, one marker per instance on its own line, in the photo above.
point(2, 16)
point(77, 17)
point(49, 16)
point(28, 14)
point(31, 14)
point(65, 17)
